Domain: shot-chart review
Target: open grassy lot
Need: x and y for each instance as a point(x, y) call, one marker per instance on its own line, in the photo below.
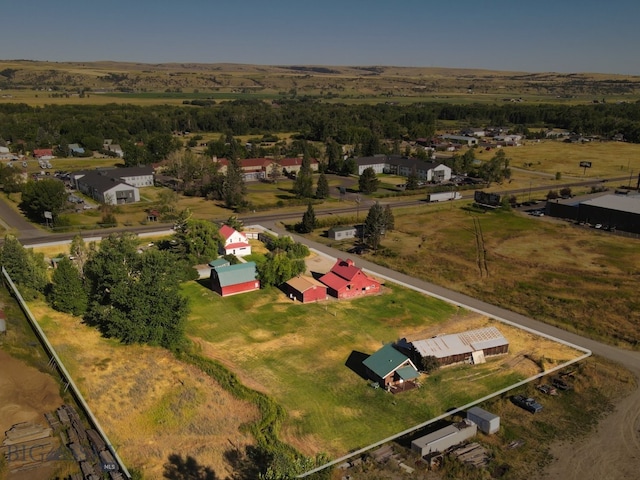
point(150, 404)
point(608, 159)
point(298, 355)
point(580, 279)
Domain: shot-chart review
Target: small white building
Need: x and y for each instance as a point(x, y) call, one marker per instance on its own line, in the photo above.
point(487, 422)
point(445, 438)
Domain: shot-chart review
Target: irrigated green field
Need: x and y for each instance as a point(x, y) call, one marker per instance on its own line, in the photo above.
point(301, 355)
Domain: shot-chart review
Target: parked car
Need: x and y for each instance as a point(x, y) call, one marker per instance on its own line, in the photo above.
point(547, 389)
point(560, 383)
point(527, 403)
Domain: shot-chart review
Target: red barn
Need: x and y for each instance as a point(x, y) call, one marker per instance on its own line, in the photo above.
point(345, 280)
point(305, 289)
point(232, 279)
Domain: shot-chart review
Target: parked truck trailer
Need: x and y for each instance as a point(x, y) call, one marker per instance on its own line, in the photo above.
point(443, 196)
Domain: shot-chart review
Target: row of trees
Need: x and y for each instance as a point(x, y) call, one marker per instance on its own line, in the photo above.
point(361, 125)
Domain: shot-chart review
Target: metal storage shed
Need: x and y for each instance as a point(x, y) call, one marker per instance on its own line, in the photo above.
point(487, 422)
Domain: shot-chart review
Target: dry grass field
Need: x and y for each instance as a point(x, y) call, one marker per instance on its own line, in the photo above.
point(150, 405)
point(41, 83)
point(581, 279)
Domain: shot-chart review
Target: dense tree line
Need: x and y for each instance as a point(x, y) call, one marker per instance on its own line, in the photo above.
point(361, 125)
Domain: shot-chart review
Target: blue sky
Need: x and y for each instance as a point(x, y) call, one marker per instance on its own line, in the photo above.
point(536, 36)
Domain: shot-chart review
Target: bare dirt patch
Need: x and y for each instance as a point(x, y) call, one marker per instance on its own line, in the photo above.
point(26, 394)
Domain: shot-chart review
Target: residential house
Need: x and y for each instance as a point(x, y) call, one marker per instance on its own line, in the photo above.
point(235, 242)
point(305, 289)
point(75, 149)
point(43, 153)
point(345, 280)
point(109, 146)
point(293, 165)
point(390, 368)
point(233, 279)
point(472, 346)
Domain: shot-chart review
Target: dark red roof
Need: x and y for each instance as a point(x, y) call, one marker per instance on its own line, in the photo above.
point(333, 281)
point(41, 152)
point(287, 162)
point(345, 269)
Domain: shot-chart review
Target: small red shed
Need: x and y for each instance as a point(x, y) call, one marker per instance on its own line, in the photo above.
point(305, 289)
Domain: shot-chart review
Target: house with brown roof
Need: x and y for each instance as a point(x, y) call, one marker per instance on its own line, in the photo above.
point(305, 289)
point(345, 280)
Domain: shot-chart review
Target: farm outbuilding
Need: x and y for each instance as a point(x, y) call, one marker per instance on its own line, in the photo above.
point(345, 280)
point(233, 279)
point(445, 438)
point(487, 422)
point(341, 233)
point(390, 368)
point(305, 289)
point(472, 346)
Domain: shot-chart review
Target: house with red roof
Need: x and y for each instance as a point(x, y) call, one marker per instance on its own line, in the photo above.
point(235, 242)
point(43, 152)
point(345, 280)
point(293, 165)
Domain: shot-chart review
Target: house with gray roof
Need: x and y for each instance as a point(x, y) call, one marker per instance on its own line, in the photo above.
point(114, 186)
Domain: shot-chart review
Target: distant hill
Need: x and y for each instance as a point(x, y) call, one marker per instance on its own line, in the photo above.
point(305, 79)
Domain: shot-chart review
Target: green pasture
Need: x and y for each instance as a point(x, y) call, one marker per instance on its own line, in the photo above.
point(298, 354)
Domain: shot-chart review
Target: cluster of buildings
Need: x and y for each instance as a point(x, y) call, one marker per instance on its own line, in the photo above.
point(428, 171)
point(397, 366)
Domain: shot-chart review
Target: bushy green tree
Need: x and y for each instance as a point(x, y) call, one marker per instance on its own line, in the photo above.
point(278, 268)
point(196, 240)
point(368, 181)
point(26, 268)
point(412, 181)
point(135, 297)
point(67, 293)
point(48, 195)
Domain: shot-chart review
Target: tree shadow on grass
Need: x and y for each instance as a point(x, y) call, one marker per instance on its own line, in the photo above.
point(354, 362)
point(178, 468)
point(247, 464)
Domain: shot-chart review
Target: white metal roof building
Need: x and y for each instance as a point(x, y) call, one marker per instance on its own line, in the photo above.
point(460, 347)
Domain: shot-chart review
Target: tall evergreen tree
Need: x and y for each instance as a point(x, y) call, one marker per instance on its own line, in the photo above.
point(389, 220)
point(303, 185)
point(322, 189)
point(333, 153)
point(67, 292)
point(234, 188)
point(308, 220)
point(374, 225)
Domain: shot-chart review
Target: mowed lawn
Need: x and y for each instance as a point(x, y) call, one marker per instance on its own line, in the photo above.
point(298, 354)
